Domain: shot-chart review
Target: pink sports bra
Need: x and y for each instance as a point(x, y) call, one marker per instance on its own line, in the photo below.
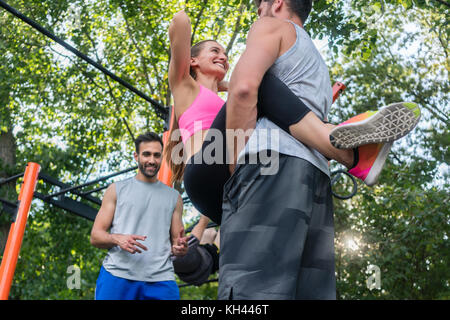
point(201, 114)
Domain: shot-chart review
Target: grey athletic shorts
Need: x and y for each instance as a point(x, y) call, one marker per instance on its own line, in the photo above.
point(277, 234)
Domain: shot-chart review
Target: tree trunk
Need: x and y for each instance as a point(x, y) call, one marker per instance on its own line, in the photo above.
point(7, 191)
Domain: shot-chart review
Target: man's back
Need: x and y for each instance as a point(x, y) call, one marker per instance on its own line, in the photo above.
point(303, 70)
point(277, 226)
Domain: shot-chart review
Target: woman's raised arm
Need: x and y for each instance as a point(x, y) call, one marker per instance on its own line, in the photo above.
point(180, 48)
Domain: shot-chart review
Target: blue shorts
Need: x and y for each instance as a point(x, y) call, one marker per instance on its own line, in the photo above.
point(110, 287)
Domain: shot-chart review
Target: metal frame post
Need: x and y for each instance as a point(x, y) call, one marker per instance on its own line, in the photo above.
point(17, 230)
point(338, 87)
point(165, 174)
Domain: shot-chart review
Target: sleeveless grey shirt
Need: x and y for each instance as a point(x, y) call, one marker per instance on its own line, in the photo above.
point(304, 71)
point(143, 209)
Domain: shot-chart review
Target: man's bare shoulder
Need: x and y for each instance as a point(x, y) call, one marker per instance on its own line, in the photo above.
point(267, 24)
point(110, 193)
point(111, 187)
point(272, 26)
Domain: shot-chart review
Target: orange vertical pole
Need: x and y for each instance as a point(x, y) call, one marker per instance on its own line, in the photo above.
point(17, 230)
point(165, 174)
point(338, 87)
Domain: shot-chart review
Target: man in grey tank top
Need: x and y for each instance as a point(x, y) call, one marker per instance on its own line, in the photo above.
point(140, 224)
point(277, 231)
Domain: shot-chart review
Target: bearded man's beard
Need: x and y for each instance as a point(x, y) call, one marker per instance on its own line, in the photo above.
point(143, 168)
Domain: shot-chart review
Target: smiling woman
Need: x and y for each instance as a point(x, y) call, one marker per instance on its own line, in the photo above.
point(206, 53)
point(195, 76)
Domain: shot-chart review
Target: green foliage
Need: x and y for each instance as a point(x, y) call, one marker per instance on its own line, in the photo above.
point(401, 228)
point(65, 115)
point(402, 224)
point(207, 291)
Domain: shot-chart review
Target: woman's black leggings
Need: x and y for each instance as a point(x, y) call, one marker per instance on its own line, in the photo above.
point(204, 182)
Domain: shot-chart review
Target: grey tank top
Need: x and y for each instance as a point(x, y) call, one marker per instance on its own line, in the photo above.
point(304, 71)
point(143, 209)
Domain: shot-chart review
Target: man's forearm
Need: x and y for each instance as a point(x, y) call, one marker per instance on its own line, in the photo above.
point(241, 117)
point(103, 240)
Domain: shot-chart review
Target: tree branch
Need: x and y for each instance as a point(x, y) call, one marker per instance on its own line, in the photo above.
point(397, 158)
point(237, 28)
point(444, 3)
point(435, 112)
point(110, 91)
point(78, 66)
point(442, 41)
point(423, 103)
point(141, 55)
point(197, 19)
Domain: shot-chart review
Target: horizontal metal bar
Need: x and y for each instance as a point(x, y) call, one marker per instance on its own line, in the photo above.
point(6, 180)
point(94, 190)
point(76, 207)
point(71, 189)
point(9, 203)
point(9, 207)
point(160, 109)
point(58, 183)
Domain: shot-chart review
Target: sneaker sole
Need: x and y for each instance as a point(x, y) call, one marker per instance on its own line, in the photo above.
point(390, 123)
point(377, 167)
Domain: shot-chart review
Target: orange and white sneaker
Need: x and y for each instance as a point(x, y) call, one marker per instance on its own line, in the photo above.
point(388, 124)
point(370, 160)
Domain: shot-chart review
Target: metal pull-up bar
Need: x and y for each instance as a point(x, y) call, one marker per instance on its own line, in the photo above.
point(160, 109)
point(17, 230)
